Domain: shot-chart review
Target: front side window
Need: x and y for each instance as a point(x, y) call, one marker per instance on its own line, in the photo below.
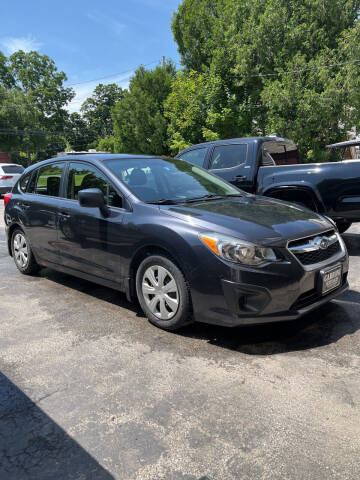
point(196, 157)
point(83, 176)
point(228, 156)
point(49, 179)
point(159, 179)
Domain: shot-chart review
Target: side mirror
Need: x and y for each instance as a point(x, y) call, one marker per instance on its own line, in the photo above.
point(92, 198)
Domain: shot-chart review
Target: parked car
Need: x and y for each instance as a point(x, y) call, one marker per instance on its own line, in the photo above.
point(185, 243)
point(270, 166)
point(9, 175)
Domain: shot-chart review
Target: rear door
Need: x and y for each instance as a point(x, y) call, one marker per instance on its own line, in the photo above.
point(229, 161)
point(90, 242)
point(40, 204)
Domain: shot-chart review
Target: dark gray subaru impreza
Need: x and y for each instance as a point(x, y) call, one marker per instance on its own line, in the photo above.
point(188, 245)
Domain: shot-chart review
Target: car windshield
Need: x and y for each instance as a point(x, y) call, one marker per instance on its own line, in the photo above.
point(166, 180)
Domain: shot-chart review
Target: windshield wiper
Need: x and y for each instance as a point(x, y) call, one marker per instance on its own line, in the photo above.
point(212, 196)
point(163, 201)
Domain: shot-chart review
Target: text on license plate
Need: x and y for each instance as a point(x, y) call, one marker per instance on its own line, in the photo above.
point(331, 279)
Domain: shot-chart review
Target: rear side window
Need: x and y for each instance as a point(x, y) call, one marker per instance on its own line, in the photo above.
point(13, 168)
point(49, 179)
point(280, 152)
point(228, 156)
point(24, 182)
point(196, 157)
point(32, 182)
point(82, 177)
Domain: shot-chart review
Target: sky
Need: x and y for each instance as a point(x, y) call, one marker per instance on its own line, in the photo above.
point(91, 39)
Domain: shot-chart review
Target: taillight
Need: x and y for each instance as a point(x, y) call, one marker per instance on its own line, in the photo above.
point(7, 197)
point(6, 177)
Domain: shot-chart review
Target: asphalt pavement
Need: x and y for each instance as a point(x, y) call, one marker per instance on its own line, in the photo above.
point(90, 390)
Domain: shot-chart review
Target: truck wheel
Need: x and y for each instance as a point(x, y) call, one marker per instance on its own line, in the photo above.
point(343, 225)
point(163, 293)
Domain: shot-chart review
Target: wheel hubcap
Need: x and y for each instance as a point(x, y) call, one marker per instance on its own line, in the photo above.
point(21, 252)
point(160, 292)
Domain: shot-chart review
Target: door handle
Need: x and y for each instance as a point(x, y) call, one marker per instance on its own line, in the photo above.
point(240, 177)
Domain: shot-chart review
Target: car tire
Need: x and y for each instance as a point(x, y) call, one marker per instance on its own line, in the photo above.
point(343, 225)
point(163, 293)
point(22, 254)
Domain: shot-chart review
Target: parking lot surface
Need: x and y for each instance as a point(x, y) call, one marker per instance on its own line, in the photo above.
point(90, 390)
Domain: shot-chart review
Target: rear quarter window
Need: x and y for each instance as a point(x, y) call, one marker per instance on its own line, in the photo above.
point(24, 182)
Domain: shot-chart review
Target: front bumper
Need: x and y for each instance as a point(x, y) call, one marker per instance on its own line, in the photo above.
point(245, 296)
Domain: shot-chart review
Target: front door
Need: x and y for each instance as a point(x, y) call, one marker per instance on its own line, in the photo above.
point(90, 241)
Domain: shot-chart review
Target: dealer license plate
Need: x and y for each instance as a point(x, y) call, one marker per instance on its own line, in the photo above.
point(330, 279)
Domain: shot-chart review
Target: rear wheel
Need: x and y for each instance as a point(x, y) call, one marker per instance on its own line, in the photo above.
point(22, 253)
point(163, 293)
point(343, 225)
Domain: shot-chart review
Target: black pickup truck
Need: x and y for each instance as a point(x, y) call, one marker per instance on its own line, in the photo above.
point(271, 166)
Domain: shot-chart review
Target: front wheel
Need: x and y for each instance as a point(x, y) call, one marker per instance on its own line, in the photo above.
point(163, 293)
point(22, 253)
point(343, 225)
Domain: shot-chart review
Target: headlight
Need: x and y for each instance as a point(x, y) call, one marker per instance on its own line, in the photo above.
point(236, 250)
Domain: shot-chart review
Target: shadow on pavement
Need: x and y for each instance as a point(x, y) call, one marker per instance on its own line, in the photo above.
point(33, 446)
point(324, 326)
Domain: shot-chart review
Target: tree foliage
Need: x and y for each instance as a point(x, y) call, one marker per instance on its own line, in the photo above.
point(139, 122)
point(96, 110)
point(251, 46)
point(32, 103)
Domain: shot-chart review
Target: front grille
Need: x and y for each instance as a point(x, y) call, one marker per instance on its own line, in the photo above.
point(309, 258)
point(313, 250)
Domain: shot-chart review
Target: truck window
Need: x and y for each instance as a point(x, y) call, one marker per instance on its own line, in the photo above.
point(282, 153)
point(228, 156)
point(196, 156)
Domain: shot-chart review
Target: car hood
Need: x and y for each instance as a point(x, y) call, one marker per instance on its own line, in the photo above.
point(252, 218)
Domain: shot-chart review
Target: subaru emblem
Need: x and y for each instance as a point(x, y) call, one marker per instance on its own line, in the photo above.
point(324, 243)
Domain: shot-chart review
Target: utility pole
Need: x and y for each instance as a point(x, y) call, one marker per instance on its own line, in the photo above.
point(163, 60)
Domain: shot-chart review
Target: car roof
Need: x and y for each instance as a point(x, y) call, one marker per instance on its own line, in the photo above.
point(240, 140)
point(92, 158)
point(103, 156)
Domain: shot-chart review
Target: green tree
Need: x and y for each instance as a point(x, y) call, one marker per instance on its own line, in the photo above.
point(96, 110)
point(250, 45)
point(33, 104)
point(139, 122)
point(20, 123)
point(201, 108)
point(77, 133)
point(106, 144)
